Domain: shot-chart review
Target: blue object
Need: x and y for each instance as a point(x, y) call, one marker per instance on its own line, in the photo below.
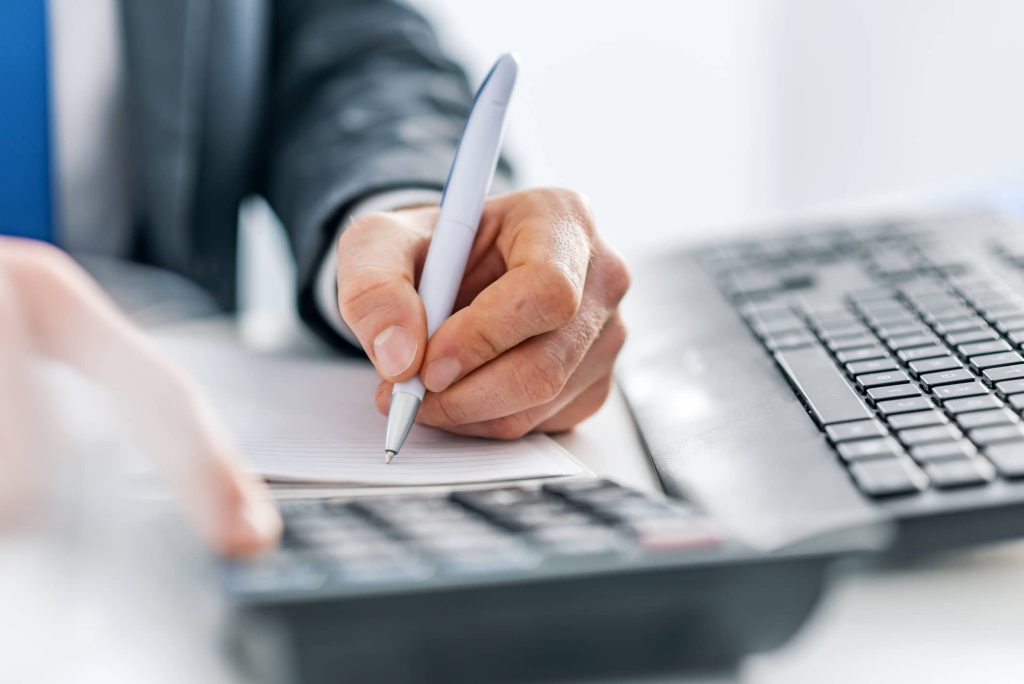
point(25, 183)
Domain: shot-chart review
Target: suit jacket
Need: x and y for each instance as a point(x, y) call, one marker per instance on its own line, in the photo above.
point(315, 104)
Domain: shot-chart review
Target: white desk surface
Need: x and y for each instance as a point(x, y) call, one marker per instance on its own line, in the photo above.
point(956, 619)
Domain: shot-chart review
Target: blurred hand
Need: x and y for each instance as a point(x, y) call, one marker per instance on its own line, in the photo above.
point(535, 330)
point(50, 308)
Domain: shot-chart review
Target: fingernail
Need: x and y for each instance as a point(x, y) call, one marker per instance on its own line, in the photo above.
point(395, 350)
point(441, 373)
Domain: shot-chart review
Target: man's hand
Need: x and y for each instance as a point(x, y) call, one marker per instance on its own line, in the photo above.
point(535, 330)
point(49, 308)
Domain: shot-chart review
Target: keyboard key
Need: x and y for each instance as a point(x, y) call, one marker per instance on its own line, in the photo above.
point(960, 472)
point(880, 379)
point(848, 343)
point(893, 392)
point(964, 389)
point(947, 377)
point(997, 433)
point(1010, 386)
point(937, 364)
point(887, 477)
point(861, 429)
point(927, 435)
point(1008, 458)
point(901, 421)
point(794, 340)
point(893, 330)
point(1005, 373)
point(978, 334)
point(1016, 336)
point(922, 353)
point(1010, 323)
point(993, 360)
point(990, 347)
point(1016, 401)
point(862, 354)
point(976, 419)
point(943, 450)
point(869, 448)
point(825, 390)
point(873, 366)
point(912, 341)
point(979, 403)
point(905, 405)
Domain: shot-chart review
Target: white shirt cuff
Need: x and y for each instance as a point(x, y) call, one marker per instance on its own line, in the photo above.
point(326, 286)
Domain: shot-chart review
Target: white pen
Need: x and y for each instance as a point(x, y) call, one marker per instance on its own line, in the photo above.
point(462, 204)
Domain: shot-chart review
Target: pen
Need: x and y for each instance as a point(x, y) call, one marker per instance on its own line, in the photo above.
point(462, 203)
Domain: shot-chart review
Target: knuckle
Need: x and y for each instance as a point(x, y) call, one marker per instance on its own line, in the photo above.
point(617, 333)
point(543, 378)
point(617, 276)
point(558, 296)
point(360, 293)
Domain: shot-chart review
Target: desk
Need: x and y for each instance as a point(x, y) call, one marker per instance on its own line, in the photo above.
point(955, 619)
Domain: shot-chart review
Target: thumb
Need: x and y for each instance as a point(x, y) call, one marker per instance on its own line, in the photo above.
point(377, 259)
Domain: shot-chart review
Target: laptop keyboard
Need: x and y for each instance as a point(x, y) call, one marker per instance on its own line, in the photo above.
point(915, 374)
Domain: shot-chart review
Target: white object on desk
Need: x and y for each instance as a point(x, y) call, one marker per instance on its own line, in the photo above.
point(310, 419)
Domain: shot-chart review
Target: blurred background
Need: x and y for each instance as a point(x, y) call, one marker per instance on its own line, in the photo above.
point(679, 117)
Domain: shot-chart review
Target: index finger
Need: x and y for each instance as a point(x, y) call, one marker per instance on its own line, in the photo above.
point(547, 248)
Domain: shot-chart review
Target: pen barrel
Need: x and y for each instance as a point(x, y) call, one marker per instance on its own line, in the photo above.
point(449, 251)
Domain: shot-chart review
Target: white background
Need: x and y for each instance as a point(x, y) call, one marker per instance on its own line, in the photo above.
point(686, 118)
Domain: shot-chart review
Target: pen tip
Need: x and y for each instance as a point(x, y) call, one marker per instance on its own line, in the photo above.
point(388, 455)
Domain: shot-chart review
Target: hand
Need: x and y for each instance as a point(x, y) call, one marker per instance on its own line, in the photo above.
point(535, 330)
point(50, 308)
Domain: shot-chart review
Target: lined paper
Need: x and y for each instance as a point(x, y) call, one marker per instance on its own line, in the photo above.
point(312, 419)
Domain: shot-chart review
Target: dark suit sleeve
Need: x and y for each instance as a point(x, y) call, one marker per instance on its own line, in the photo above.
point(362, 100)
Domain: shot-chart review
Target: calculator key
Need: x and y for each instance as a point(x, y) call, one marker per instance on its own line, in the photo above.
point(902, 421)
point(869, 448)
point(993, 360)
point(960, 472)
point(964, 389)
point(887, 477)
point(1005, 373)
point(997, 433)
point(978, 403)
point(947, 377)
point(943, 450)
point(940, 363)
point(926, 435)
point(922, 353)
point(893, 392)
point(872, 366)
point(904, 405)
point(860, 429)
point(1008, 458)
point(879, 379)
point(990, 347)
point(976, 419)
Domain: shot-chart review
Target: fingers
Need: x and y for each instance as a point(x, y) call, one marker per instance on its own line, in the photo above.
point(67, 317)
point(547, 251)
point(378, 258)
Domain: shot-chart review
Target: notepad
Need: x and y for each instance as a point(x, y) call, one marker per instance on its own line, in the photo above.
point(312, 419)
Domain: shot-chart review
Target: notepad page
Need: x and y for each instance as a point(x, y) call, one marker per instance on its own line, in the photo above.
point(313, 420)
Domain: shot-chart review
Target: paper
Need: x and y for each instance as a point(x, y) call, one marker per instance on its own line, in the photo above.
point(312, 419)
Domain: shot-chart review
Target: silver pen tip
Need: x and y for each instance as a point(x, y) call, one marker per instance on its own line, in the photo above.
point(388, 455)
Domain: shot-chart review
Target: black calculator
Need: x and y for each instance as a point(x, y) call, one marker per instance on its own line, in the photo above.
point(570, 579)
